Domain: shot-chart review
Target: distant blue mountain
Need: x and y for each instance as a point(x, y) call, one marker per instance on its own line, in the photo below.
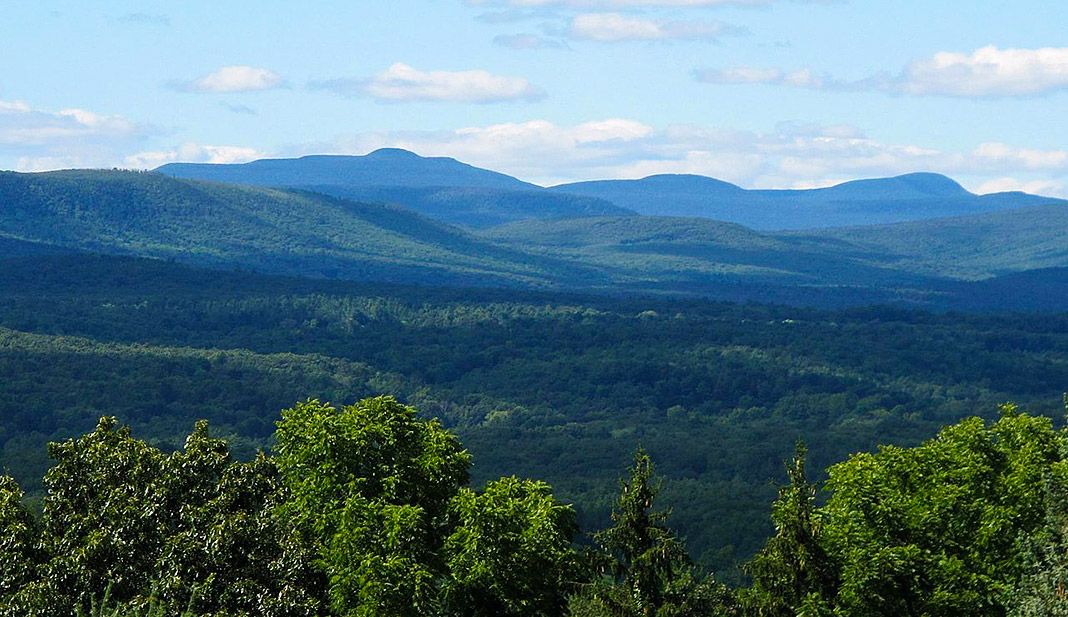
point(908, 186)
point(385, 167)
point(443, 189)
point(910, 197)
point(453, 192)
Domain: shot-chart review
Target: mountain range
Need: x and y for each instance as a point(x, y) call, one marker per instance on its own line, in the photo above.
point(457, 193)
point(917, 196)
point(518, 235)
point(229, 226)
point(440, 188)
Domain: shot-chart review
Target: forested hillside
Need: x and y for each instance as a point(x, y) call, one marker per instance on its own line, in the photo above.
point(313, 235)
point(493, 335)
point(305, 234)
point(477, 207)
point(669, 252)
point(972, 247)
point(556, 387)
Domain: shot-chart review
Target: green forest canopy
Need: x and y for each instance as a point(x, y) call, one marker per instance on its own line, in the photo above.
point(560, 388)
point(366, 510)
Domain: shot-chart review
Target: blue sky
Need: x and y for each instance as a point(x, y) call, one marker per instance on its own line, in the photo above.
point(764, 93)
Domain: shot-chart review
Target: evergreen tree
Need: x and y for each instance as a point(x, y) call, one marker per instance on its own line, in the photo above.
point(649, 572)
point(792, 574)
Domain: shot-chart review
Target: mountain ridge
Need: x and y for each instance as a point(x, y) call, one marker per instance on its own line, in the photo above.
point(307, 234)
point(908, 197)
point(440, 188)
point(270, 230)
point(454, 192)
point(394, 163)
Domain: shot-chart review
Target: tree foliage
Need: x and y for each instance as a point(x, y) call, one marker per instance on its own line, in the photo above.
point(371, 485)
point(933, 530)
point(18, 536)
point(382, 495)
point(511, 552)
point(1042, 590)
point(191, 528)
point(649, 573)
point(792, 574)
point(366, 510)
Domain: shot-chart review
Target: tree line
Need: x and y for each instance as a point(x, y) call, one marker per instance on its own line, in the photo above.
point(367, 509)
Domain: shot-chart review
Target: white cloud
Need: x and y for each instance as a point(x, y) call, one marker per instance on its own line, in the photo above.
point(41, 139)
point(989, 71)
point(614, 27)
point(1022, 158)
point(1037, 187)
point(29, 164)
point(12, 107)
point(792, 155)
point(193, 153)
point(403, 83)
point(985, 72)
point(21, 125)
point(611, 130)
point(235, 79)
point(803, 185)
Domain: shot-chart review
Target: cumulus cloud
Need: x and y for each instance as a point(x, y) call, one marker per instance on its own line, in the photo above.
point(193, 153)
point(1036, 187)
point(229, 79)
point(39, 139)
point(615, 27)
point(403, 83)
point(985, 72)
point(793, 155)
point(21, 125)
point(989, 71)
point(1022, 158)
